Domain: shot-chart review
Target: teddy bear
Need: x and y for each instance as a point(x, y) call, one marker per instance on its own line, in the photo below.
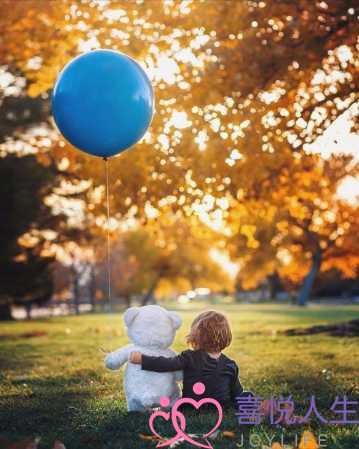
point(151, 330)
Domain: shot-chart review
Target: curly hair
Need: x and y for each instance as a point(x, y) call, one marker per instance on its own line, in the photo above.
point(210, 332)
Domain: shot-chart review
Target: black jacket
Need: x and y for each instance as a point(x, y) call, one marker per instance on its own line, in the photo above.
point(220, 376)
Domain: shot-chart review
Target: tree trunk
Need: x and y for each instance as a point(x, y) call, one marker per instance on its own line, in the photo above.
point(76, 290)
point(274, 285)
point(149, 295)
point(5, 311)
point(306, 289)
point(93, 288)
point(127, 300)
point(28, 308)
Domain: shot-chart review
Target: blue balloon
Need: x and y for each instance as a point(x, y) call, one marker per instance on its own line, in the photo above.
point(102, 102)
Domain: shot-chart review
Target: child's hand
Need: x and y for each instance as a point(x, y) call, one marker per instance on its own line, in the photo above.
point(135, 357)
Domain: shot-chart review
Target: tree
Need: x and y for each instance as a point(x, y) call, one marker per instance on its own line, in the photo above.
point(144, 258)
point(303, 229)
point(248, 64)
point(238, 97)
point(25, 274)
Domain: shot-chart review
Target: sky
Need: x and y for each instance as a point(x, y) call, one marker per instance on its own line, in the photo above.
point(339, 139)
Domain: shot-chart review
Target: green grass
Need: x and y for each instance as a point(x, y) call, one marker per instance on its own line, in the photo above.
point(55, 386)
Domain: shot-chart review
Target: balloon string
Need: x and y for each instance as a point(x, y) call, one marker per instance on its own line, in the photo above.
point(108, 238)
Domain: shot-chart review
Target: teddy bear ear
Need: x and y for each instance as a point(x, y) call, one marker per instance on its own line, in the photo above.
point(176, 319)
point(130, 315)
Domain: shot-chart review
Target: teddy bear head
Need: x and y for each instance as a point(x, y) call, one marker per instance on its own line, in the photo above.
point(151, 326)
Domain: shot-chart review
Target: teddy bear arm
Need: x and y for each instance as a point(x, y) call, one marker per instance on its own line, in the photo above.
point(116, 359)
point(178, 376)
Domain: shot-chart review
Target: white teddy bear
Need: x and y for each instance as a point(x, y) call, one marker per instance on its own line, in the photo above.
point(152, 330)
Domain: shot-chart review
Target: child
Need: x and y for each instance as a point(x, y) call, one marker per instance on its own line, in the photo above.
point(210, 334)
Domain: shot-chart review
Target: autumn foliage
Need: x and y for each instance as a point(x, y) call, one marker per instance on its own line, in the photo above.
point(234, 158)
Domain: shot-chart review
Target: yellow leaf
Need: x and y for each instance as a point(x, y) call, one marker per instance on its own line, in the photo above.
point(33, 90)
point(308, 441)
point(148, 437)
point(228, 434)
point(276, 446)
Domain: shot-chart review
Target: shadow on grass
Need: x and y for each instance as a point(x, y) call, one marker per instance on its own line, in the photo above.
point(301, 384)
point(121, 430)
point(130, 430)
point(79, 415)
point(46, 415)
point(20, 356)
point(319, 314)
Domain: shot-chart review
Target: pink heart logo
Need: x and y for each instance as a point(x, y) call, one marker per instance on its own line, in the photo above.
point(179, 420)
point(197, 405)
point(166, 416)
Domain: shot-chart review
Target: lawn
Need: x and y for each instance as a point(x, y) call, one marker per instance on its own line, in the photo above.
point(53, 384)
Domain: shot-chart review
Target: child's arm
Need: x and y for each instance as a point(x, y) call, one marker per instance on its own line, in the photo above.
point(236, 389)
point(159, 364)
point(116, 359)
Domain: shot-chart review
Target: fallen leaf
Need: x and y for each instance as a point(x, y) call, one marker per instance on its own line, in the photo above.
point(28, 443)
point(58, 445)
point(276, 446)
point(308, 441)
point(32, 334)
point(228, 434)
point(148, 437)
